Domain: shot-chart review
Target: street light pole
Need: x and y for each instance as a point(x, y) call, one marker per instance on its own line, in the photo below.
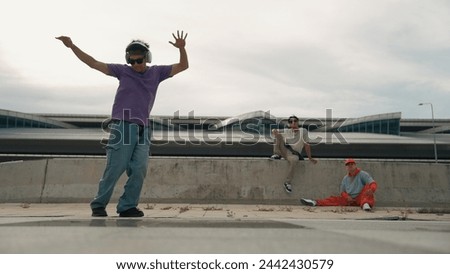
point(434, 131)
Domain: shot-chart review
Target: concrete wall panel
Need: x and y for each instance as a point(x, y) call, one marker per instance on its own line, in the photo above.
point(22, 182)
point(224, 180)
point(75, 180)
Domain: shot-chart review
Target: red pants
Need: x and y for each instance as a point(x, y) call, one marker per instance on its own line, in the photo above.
point(361, 199)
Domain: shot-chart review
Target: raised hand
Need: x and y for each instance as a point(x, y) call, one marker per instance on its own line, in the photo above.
point(180, 39)
point(66, 41)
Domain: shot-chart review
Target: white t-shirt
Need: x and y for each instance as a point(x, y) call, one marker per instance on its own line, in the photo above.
point(296, 139)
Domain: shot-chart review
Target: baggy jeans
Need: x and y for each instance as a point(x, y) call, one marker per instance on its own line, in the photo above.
point(280, 149)
point(127, 151)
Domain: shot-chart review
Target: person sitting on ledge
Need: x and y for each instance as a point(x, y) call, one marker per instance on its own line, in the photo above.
point(289, 145)
point(357, 189)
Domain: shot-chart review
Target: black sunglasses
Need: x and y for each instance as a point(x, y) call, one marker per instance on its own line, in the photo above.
point(133, 61)
point(292, 121)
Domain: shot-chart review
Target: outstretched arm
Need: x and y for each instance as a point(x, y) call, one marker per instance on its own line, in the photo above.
point(84, 57)
point(180, 43)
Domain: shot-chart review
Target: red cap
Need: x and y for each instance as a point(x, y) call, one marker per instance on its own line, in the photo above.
point(349, 161)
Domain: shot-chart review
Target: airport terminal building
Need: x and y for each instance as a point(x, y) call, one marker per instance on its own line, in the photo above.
point(381, 136)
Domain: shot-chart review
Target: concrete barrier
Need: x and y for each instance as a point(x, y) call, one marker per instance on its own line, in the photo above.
point(223, 180)
point(22, 181)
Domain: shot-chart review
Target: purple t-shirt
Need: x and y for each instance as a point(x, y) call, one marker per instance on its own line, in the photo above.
point(136, 93)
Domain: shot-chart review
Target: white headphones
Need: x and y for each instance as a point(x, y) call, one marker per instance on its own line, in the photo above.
point(138, 44)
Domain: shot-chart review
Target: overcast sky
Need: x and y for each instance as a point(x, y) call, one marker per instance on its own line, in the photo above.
point(300, 57)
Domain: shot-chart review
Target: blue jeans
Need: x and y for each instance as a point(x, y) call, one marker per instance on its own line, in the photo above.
point(127, 150)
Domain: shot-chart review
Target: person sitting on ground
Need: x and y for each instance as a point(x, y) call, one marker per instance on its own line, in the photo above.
point(289, 145)
point(357, 189)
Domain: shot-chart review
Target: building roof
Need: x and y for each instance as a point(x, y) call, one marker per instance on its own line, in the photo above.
point(14, 119)
point(242, 117)
point(245, 135)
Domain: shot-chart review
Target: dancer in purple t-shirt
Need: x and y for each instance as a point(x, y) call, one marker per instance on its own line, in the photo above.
point(129, 143)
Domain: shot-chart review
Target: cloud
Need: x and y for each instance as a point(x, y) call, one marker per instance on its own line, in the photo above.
point(355, 57)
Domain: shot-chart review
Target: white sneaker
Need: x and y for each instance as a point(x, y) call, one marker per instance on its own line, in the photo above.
point(366, 207)
point(308, 202)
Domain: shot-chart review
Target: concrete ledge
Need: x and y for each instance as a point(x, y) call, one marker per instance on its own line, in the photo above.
point(223, 180)
point(22, 181)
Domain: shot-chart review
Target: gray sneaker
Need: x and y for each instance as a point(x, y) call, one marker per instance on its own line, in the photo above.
point(308, 202)
point(288, 187)
point(275, 157)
